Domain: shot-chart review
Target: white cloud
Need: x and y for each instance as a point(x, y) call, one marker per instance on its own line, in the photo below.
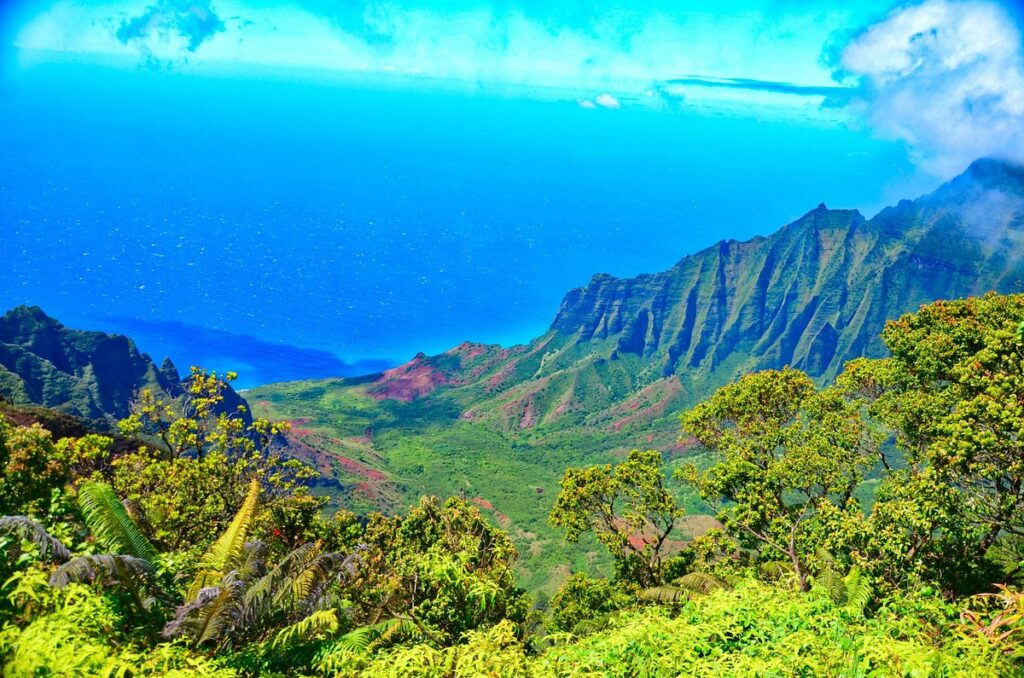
point(495, 45)
point(945, 76)
point(606, 100)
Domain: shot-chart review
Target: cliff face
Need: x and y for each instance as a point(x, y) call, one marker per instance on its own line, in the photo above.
point(812, 295)
point(91, 375)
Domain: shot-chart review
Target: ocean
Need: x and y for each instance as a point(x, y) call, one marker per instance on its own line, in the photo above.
point(293, 228)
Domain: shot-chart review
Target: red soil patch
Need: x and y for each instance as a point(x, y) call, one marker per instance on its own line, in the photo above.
point(529, 415)
point(310, 455)
point(482, 503)
point(297, 426)
point(408, 382)
point(649, 403)
point(355, 468)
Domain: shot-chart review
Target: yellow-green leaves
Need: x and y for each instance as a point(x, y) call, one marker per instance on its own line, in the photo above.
point(627, 507)
point(110, 524)
point(229, 547)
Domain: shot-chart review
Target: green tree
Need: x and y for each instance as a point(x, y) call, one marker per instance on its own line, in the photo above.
point(952, 395)
point(784, 452)
point(30, 467)
point(628, 508)
point(442, 567)
point(199, 468)
point(582, 599)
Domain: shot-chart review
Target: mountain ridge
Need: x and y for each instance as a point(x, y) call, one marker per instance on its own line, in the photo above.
point(812, 295)
point(87, 374)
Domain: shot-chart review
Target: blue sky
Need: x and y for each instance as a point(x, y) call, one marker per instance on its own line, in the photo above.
point(367, 180)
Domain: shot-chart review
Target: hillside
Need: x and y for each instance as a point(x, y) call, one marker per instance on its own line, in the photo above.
point(622, 356)
point(91, 375)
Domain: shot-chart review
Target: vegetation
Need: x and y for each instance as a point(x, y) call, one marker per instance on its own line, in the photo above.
point(870, 527)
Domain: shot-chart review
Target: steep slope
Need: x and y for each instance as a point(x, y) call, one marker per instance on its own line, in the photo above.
point(87, 374)
point(812, 295)
point(623, 356)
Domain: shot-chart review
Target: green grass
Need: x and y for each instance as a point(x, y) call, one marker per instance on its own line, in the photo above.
point(423, 447)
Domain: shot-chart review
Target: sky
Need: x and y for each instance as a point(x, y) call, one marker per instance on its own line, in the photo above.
point(311, 187)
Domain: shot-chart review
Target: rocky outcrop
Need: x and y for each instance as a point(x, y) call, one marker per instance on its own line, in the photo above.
point(91, 375)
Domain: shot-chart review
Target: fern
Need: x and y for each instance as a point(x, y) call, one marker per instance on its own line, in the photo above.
point(230, 547)
point(366, 639)
point(601, 623)
point(660, 594)
point(29, 530)
point(829, 584)
point(317, 625)
point(858, 591)
point(110, 524)
point(701, 582)
point(776, 569)
point(693, 582)
point(105, 568)
point(210, 616)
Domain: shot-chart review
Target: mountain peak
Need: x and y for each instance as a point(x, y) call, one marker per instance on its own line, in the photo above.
point(986, 174)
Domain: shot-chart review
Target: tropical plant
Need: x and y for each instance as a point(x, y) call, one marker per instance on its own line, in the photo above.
point(582, 598)
point(628, 508)
point(784, 453)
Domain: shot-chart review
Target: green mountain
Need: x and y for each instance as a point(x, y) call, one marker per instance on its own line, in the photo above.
point(90, 375)
point(623, 356)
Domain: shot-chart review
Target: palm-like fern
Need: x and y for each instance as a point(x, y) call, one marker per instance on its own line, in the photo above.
point(366, 639)
point(50, 548)
point(107, 568)
point(320, 624)
point(851, 591)
point(110, 524)
point(229, 547)
point(249, 602)
point(693, 582)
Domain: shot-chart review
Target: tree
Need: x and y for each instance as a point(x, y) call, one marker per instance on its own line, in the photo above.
point(199, 469)
point(30, 466)
point(443, 568)
point(628, 508)
point(783, 452)
point(952, 394)
point(582, 599)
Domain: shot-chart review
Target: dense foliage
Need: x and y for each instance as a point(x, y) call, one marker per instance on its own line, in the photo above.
point(869, 527)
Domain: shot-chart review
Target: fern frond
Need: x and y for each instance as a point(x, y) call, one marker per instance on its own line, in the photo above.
point(317, 625)
point(658, 594)
point(601, 623)
point(701, 582)
point(830, 584)
point(357, 640)
point(50, 547)
point(110, 524)
point(826, 557)
point(396, 630)
point(210, 616)
point(229, 547)
point(106, 568)
point(366, 639)
point(858, 591)
point(776, 569)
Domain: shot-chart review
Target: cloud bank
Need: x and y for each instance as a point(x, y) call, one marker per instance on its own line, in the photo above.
point(580, 49)
point(190, 21)
point(946, 77)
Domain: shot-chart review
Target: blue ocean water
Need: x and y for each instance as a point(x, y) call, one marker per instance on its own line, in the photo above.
point(295, 228)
